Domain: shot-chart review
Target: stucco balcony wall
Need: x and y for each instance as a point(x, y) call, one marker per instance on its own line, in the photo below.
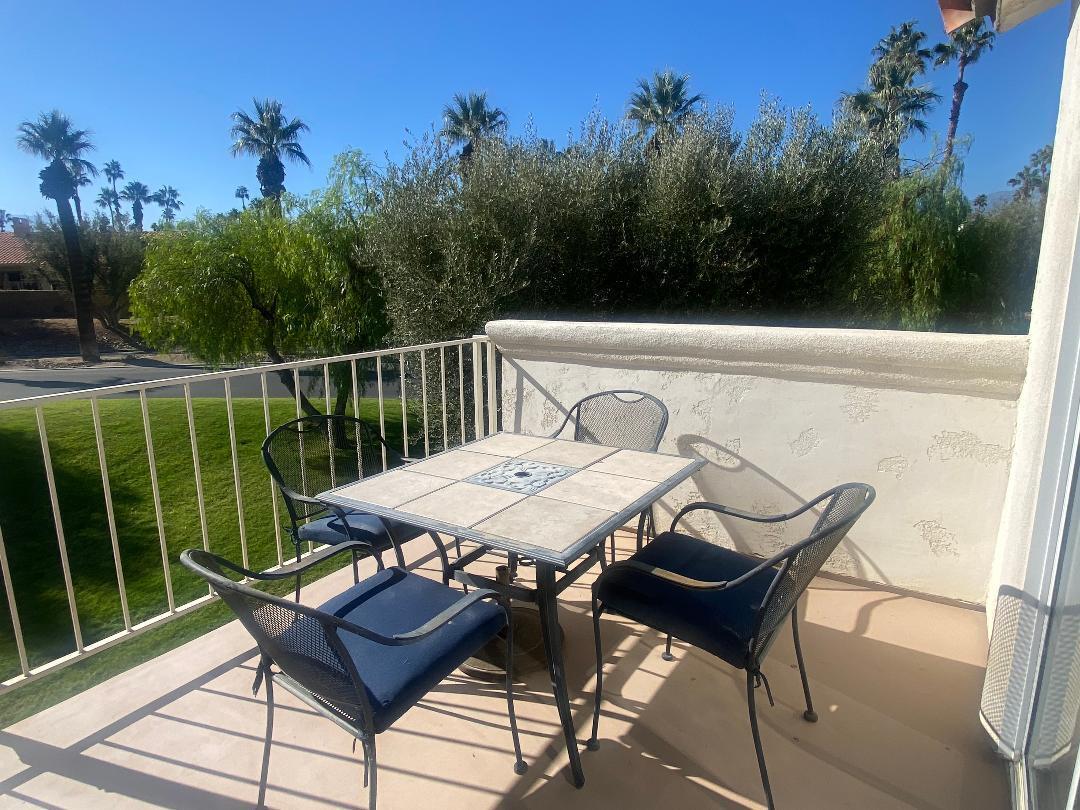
point(782, 414)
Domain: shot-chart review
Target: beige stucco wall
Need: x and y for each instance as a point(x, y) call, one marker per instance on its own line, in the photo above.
point(783, 414)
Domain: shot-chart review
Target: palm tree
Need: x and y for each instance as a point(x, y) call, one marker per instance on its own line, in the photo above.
point(891, 108)
point(113, 172)
point(1034, 178)
point(966, 45)
point(138, 194)
point(169, 200)
point(5, 218)
point(268, 136)
point(468, 119)
point(53, 138)
point(242, 195)
point(662, 105)
point(109, 199)
point(903, 43)
point(82, 180)
point(1026, 182)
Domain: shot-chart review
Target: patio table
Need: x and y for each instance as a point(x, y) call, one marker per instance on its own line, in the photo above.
point(552, 501)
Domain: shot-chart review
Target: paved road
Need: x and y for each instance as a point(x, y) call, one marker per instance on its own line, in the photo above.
point(27, 382)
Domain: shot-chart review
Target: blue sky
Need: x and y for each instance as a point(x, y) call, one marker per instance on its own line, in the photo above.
point(155, 82)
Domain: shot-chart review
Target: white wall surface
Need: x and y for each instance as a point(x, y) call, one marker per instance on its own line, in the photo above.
point(784, 414)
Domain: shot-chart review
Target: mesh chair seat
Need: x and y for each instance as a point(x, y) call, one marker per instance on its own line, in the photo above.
point(362, 526)
point(395, 601)
point(719, 622)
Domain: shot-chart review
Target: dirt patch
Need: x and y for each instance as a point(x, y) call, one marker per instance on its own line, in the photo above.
point(35, 341)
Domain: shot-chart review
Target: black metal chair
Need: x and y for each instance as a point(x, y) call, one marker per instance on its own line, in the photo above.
point(723, 602)
point(363, 658)
point(632, 420)
point(315, 453)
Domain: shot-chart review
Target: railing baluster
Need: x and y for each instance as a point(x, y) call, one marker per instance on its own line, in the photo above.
point(356, 413)
point(330, 430)
point(477, 397)
point(296, 387)
point(493, 417)
point(423, 400)
point(404, 409)
point(382, 407)
point(110, 517)
point(13, 608)
point(461, 386)
point(197, 464)
point(273, 486)
point(442, 386)
point(236, 472)
point(156, 489)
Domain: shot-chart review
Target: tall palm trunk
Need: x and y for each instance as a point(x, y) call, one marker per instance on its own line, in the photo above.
point(78, 207)
point(80, 283)
point(957, 101)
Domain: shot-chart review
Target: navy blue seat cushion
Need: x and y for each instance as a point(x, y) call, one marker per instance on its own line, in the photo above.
point(329, 531)
point(396, 601)
point(719, 622)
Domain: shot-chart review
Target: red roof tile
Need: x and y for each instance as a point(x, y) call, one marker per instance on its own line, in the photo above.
point(13, 250)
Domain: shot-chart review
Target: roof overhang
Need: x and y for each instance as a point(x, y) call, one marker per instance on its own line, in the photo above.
point(1005, 14)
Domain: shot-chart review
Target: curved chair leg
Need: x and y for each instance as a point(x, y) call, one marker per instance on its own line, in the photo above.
point(264, 777)
point(810, 716)
point(666, 654)
point(442, 556)
point(398, 555)
point(519, 764)
point(593, 744)
point(371, 772)
point(296, 542)
point(757, 738)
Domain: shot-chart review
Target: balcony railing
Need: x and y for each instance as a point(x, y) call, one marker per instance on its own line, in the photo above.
point(447, 389)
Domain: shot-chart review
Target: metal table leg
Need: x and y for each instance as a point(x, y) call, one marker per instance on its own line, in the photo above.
point(549, 622)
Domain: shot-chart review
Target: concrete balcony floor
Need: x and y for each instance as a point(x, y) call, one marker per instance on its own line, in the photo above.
point(896, 681)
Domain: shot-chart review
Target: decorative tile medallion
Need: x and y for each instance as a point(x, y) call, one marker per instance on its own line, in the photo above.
point(520, 475)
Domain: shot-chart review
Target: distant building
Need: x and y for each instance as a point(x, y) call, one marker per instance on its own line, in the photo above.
point(18, 271)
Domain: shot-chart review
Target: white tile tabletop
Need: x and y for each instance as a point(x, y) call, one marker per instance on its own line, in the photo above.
point(391, 488)
point(462, 503)
point(533, 522)
point(600, 490)
point(508, 445)
point(456, 464)
point(636, 464)
point(553, 500)
point(569, 454)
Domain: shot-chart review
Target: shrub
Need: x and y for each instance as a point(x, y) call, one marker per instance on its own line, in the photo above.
point(699, 223)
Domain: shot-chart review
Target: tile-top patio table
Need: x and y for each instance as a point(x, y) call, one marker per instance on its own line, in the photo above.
point(550, 500)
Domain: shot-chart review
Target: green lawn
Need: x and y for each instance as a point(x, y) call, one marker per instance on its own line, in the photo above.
point(30, 534)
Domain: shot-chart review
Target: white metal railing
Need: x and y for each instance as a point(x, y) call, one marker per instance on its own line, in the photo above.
point(483, 416)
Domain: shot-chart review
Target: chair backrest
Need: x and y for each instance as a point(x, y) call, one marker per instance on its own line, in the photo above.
point(300, 640)
point(315, 453)
point(840, 513)
point(632, 420)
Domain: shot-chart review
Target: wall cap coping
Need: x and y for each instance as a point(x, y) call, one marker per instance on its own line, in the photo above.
point(990, 366)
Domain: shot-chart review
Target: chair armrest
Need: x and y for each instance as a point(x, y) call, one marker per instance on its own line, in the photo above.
point(700, 584)
point(738, 513)
point(670, 576)
point(435, 622)
point(426, 629)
